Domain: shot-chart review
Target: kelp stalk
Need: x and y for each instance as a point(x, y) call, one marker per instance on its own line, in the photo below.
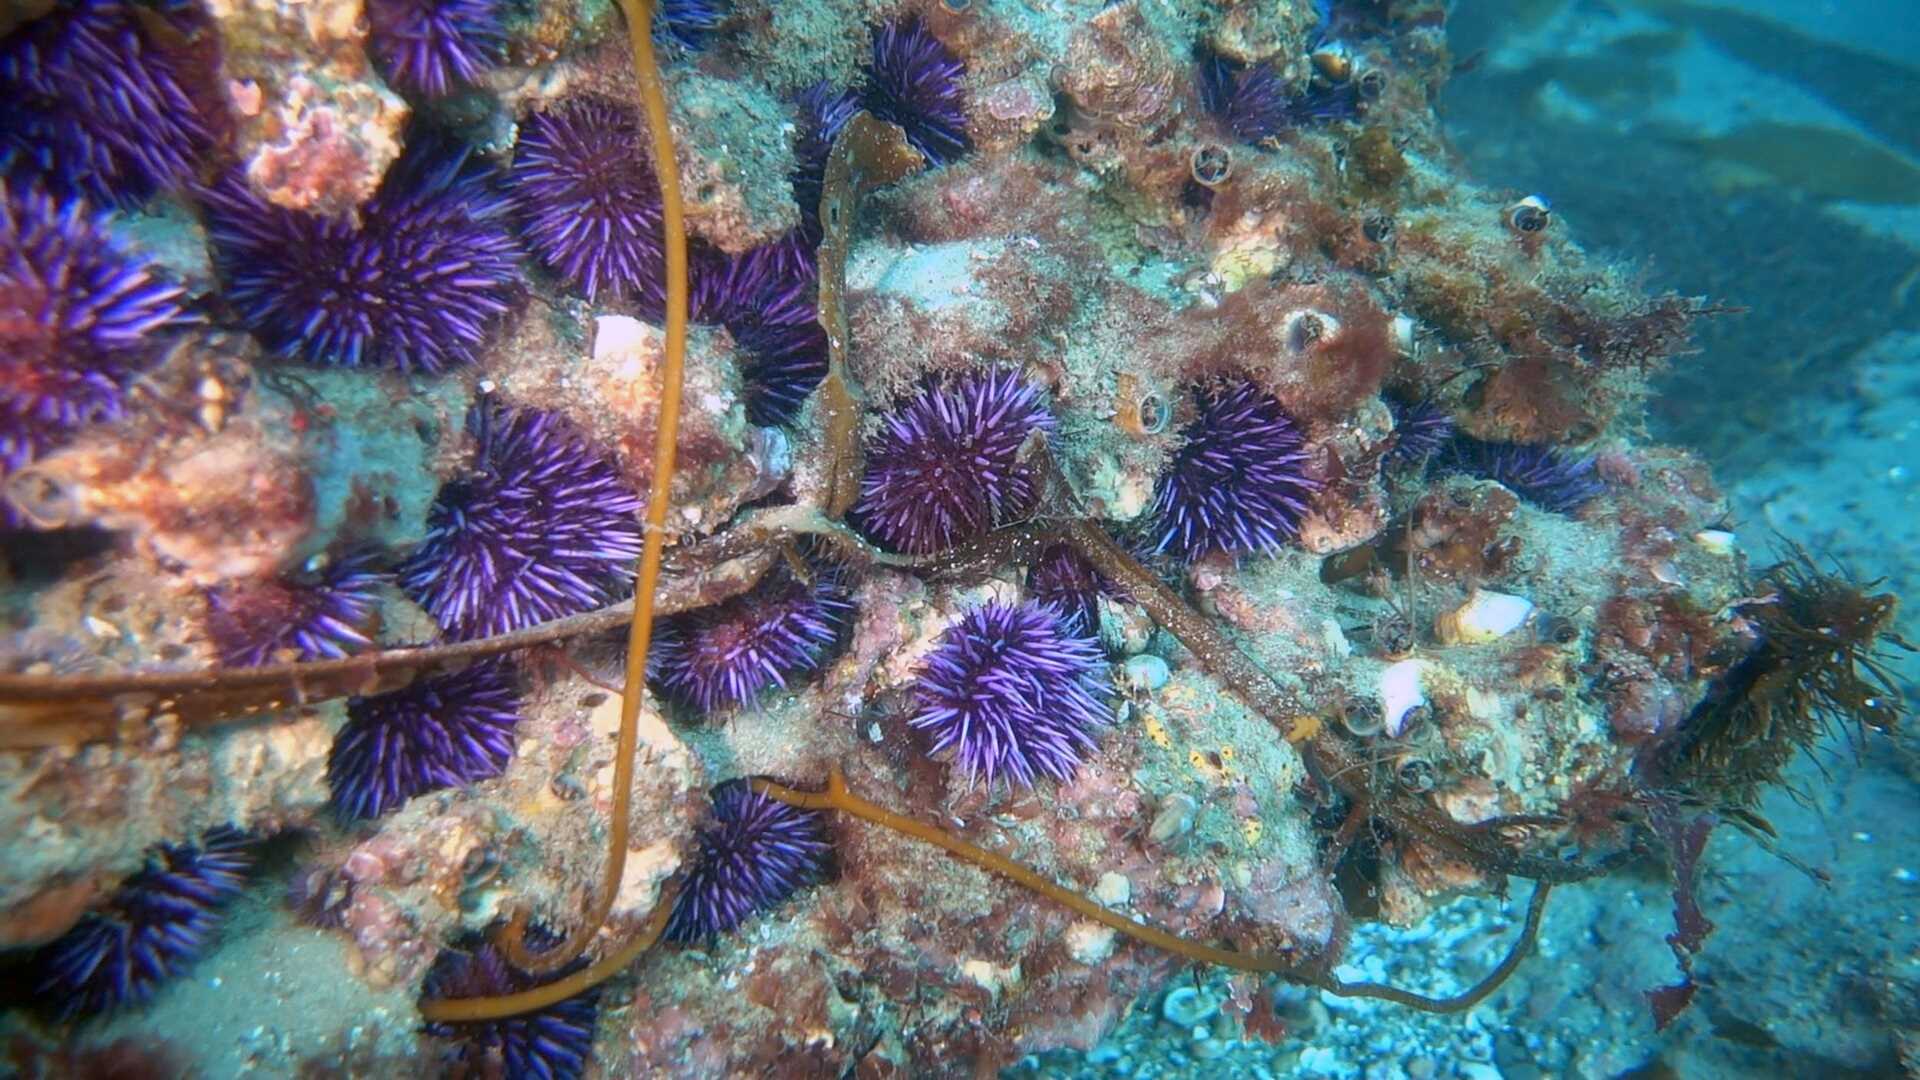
point(653, 100)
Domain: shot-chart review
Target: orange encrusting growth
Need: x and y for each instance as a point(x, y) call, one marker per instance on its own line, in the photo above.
point(653, 100)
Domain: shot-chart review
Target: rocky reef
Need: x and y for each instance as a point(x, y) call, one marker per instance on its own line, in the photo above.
point(1163, 471)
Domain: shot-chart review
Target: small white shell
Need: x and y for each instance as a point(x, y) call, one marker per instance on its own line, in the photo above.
point(1715, 541)
point(1486, 616)
point(1403, 334)
point(1401, 693)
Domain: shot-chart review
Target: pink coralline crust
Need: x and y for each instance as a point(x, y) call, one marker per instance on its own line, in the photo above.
point(219, 506)
point(1297, 902)
point(1037, 198)
point(1016, 300)
point(1320, 349)
point(315, 165)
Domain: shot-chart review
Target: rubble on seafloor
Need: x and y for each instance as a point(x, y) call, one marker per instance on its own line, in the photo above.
point(1189, 235)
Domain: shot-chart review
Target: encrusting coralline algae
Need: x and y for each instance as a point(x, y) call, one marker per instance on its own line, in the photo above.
point(1252, 530)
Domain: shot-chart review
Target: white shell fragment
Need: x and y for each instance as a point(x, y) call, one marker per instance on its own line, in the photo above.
point(1715, 541)
point(1486, 616)
point(1400, 694)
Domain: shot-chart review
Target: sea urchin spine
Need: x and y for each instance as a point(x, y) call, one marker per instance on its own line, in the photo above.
point(726, 655)
point(152, 929)
point(1545, 476)
point(433, 47)
point(319, 614)
point(1238, 484)
point(79, 319)
point(1014, 690)
point(755, 852)
point(588, 197)
point(914, 81)
point(442, 732)
point(418, 285)
point(552, 1043)
point(540, 526)
point(95, 106)
point(945, 467)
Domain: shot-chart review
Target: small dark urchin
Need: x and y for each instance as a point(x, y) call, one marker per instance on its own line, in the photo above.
point(725, 655)
point(442, 732)
point(824, 111)
point(321, 612)
point(553, 1043)
point(540, 525)
point(1256, 104)
point(96, 106)
point(1015, 691)
point(1421, 432)
point(153, 927)
point(417, 286)
point(588, 198)
point(687, 23)
point(433, 47)
point(1545, 476)
point(914, 81)
point(1063, 578)
point(1238, 484)
point(945, 466)
point(80, 318)
point(755, 852)
point(767, 298)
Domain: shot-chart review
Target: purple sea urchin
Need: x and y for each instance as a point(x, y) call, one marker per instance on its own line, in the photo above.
point(914, 81)
point(687, 23)
point(755, 852)
point(417, 286)
point(1238, 483)
point(767, 299)
point(79, 318)
point(433, 47)
point(95, 106)
point(1421, 431)
point(156, 924)
point(1014, 690)
point(588, 197)
point(540, 525)
point(1061, 577)
point(1255, 104)
point(823, 112)
point(1545, 476)
point(945, 467)
point(320, 613)
point(552, 1043)
point(725, 655)
point(441, 732)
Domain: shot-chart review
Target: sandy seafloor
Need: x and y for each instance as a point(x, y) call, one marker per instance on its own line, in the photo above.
point(1808, 404)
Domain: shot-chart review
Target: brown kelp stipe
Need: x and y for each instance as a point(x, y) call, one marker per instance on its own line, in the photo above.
point(653, 99)
point(838, 797)
point(469, 1010)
